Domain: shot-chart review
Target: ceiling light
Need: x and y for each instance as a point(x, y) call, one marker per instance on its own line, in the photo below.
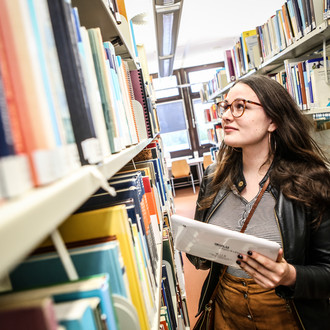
point(167, 21)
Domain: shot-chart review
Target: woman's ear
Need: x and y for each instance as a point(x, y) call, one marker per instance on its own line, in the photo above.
point(272, 127)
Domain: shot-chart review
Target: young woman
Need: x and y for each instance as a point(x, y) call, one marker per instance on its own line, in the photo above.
point(266, 136)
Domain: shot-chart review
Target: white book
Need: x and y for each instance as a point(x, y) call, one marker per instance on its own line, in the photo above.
point(215, 243)
point(321, 89)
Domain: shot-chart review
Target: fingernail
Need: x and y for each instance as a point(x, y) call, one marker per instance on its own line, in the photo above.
point(240, 256)
point(238, 262)
point(249, 253)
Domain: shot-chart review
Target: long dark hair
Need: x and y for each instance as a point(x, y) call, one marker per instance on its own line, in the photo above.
point(299, 166)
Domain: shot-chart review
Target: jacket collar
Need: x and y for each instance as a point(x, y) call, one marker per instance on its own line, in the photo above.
point(240, 182)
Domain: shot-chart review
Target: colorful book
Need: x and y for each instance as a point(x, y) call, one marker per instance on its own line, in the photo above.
point(93, 286)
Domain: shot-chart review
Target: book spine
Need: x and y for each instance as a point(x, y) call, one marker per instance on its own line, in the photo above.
point(75, 88)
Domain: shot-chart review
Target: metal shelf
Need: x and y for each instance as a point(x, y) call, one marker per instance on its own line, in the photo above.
point(26, 221)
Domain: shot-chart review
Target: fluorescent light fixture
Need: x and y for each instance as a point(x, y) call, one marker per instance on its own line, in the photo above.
point(166, 67)
point(167, 33)
point(167, 21)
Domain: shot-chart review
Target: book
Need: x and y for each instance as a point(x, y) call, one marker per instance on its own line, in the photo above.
point(78, 314)
point(33, 113)
point(96, 43)
point(229, 66)
point(141, 97)
point(287, 23)
point(42, 21)
point(116, 94)
point(89, 258)
point(215, 243)
point(249, 41)
point(168, 299)
point(93, 90)
point(321, 89)
point(14, 168)
point(33, 314)
point(127, 102)
point(93, 286)
point(106, 222)
point(74, 82)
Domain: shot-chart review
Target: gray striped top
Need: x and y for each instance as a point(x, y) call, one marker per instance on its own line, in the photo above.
point(233, 211)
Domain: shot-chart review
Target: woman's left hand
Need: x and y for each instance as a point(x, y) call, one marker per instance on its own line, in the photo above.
point(266, 272)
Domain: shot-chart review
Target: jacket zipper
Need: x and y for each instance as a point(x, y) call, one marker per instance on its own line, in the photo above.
point(289, 302)
point(206, 221)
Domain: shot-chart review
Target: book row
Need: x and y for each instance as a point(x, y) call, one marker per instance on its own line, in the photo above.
point(67, 100)
point(305, 80)
point(292, 22)
point(289, 24)
point(123, 257)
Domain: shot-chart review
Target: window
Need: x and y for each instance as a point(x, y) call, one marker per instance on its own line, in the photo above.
point(181, 112)
point(173, 125)
point(166, 87)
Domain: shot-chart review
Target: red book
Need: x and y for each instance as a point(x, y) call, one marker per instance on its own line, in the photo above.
point(35, 314)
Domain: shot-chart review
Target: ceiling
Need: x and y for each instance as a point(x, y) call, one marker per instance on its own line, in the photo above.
point(207, 28)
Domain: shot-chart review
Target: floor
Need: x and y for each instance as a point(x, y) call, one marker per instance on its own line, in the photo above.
point(184, 202)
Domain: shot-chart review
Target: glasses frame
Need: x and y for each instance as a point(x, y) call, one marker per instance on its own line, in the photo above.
point(225, 105)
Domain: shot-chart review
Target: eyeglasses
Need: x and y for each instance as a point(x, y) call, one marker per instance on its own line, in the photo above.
point(237, 107)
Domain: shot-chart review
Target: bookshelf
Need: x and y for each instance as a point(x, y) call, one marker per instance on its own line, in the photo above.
point(39, 208)
point(311, 42)
point(29, 217)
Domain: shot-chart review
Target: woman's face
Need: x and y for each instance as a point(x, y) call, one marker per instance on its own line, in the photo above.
point(252, 128)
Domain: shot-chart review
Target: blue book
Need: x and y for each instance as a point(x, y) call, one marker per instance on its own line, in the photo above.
point(93, 286)
point(76, 315)
point(89, 259)
point(44, 72)
point(6, 139)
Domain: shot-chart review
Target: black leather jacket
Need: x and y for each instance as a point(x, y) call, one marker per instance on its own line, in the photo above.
point(307, 249)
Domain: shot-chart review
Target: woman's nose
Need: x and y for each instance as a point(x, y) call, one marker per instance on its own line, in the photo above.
point(227, 115)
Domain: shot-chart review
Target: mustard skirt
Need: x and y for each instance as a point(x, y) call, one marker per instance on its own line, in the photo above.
point(242, 304)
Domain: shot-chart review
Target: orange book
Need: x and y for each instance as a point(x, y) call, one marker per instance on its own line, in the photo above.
point(8, 84)
point(19, 47)
point(287, 24)
point(150, 197)
point(122, 8)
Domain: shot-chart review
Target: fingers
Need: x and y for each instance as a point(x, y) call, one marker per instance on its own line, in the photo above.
point(264, 271)
point(280, 255)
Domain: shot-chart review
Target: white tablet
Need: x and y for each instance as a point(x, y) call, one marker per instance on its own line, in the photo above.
point(215, 243)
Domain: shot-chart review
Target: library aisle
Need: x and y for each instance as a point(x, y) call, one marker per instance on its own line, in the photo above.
point(184, 202)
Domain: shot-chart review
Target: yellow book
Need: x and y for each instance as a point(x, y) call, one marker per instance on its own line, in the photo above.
point(144, 274)
point(249, 40)
point(105, 222)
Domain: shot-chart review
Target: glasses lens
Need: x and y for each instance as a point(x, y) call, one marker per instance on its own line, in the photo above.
point(223, 107)
point(237, 108)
